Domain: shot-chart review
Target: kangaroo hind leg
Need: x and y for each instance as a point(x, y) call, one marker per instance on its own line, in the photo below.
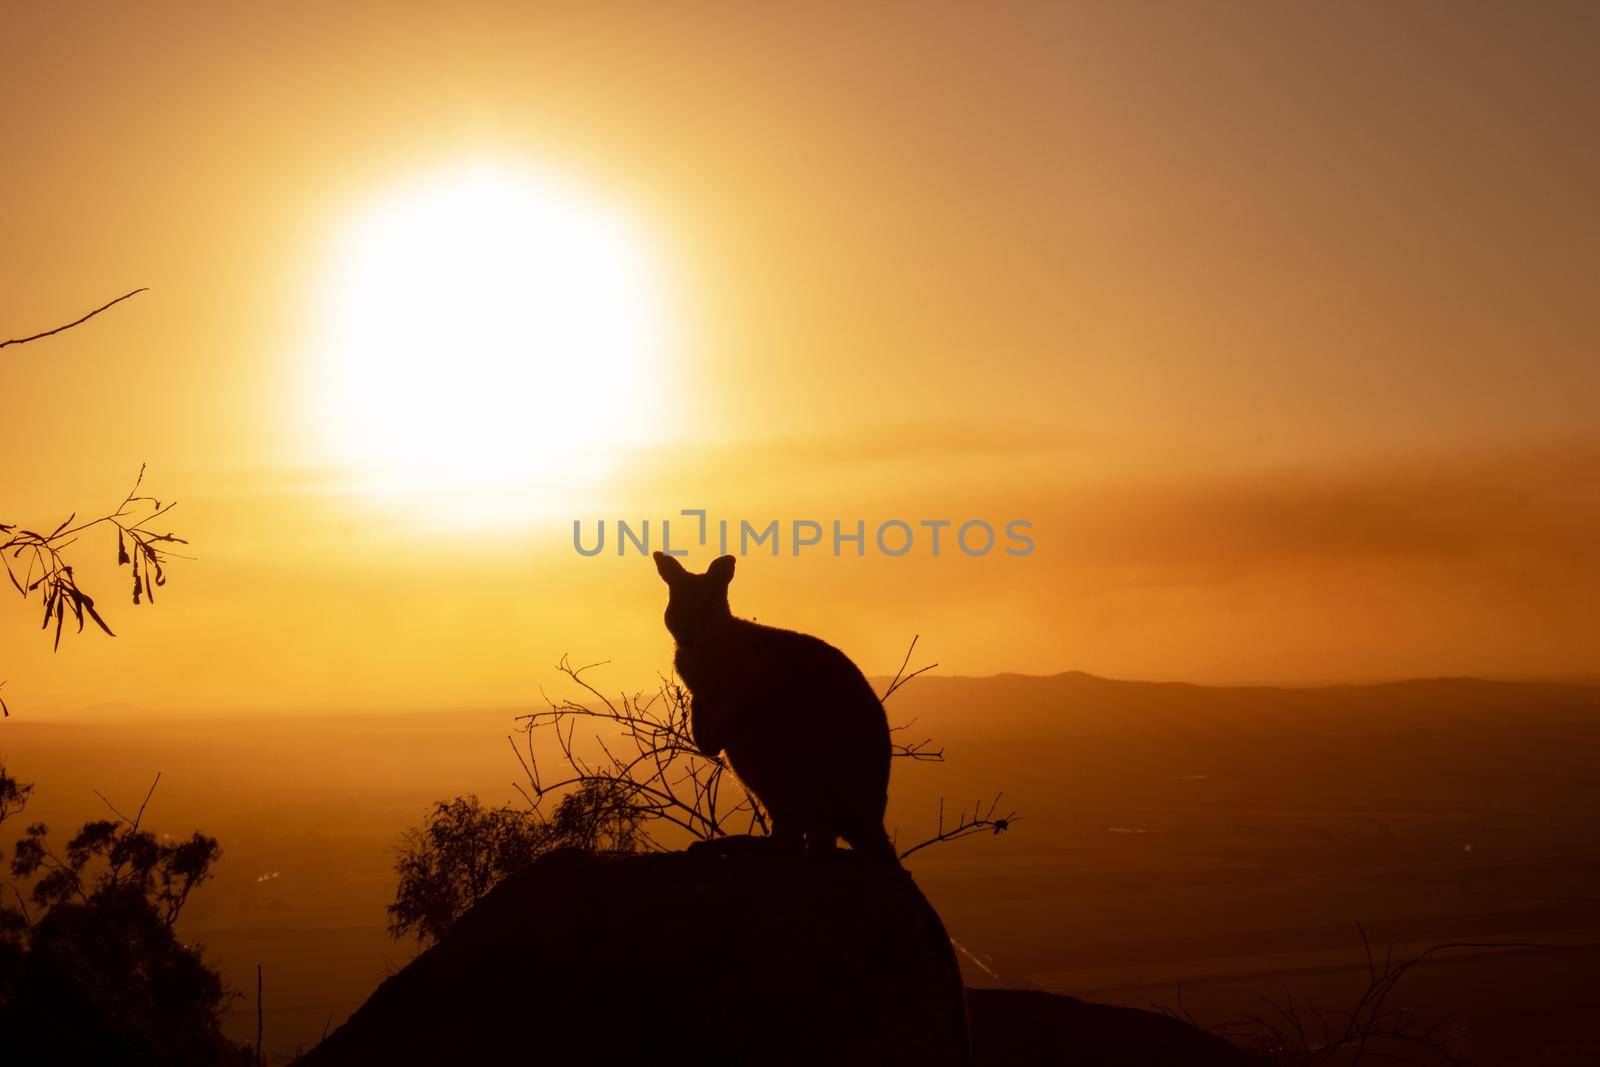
point(821, 839)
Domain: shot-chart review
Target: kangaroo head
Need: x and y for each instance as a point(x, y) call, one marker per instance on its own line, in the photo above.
point(694, 601)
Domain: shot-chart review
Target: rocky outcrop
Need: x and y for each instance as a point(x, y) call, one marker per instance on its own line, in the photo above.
point(709, 956)
point(724, 956)
point(1027, 1028)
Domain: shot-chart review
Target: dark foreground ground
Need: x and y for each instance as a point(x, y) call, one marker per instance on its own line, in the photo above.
point(1227, 840)
point(734, 955)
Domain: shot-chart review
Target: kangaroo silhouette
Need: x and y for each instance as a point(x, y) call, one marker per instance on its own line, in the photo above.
point(801, 726)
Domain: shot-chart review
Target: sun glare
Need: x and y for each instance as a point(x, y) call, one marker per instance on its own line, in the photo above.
point(491, 340)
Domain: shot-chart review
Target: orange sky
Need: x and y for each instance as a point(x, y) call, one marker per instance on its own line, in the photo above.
point(1277, 322)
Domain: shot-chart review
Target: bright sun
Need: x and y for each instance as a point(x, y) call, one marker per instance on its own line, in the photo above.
point(490, 340)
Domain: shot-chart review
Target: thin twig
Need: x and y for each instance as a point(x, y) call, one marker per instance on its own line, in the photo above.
point(900, 676)
point(74, 322)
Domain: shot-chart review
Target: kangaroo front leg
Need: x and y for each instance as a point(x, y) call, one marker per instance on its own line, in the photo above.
point(820, 840)
point(705, 725)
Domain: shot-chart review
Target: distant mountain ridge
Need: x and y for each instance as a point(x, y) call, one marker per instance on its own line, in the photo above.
point(1075, 685)
point(1077, 700)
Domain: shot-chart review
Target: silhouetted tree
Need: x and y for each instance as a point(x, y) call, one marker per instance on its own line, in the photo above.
point(13, 919)
point(91, 969)
point(463, 849)
point(37, 562)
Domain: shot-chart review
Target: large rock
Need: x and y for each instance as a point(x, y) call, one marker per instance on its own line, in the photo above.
point(727, 956)
point(741, 956)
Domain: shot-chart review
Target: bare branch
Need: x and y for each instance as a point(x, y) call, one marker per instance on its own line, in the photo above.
point(900, 676)
point(967, 824)
point(636, 773)
point(74, 322)
point(1370, 1028)
point(139, 815)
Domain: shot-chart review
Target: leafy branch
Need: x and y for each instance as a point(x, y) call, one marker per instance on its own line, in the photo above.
point(37, 562)
point(40, 557)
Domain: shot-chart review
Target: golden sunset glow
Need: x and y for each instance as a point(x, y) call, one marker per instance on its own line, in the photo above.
point(1128, 471)
point(490, 336)
point(1282, 376)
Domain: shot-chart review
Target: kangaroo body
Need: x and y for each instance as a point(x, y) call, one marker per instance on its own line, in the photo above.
point(798, 720)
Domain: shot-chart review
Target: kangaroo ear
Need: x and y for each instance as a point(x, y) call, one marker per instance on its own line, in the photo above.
point(721, 569)
point(669, 568)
